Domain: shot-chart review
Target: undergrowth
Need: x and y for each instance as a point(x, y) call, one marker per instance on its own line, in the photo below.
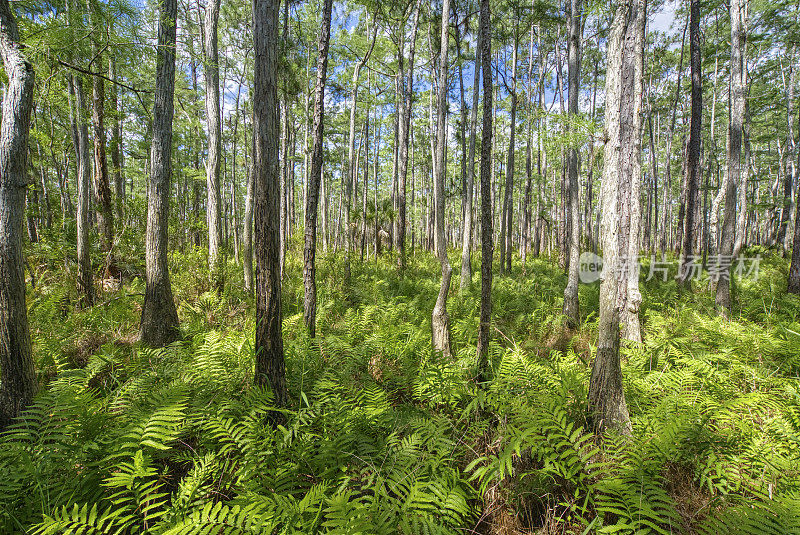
point(382, 436)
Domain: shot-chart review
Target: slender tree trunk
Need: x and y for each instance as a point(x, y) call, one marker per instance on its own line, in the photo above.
point(102, 189)
point(620, 199)
point(632, 99)
point(508, 202)
point(105, 215)
point(247, 235)
point(270, 367)
point(788, 173)
point(744, 170)
point(736, 119)
point(466, 252)
point(365, 191)
point(541, 155)
point(214, 200)
point(440, 321)
point(196, 149)
point(31, 209)
point(526, 203)
point(376, 223)
point(571, 305)
point(462, 131)
point(48, 212)
point(315, 177)
point(487, 247)
point(406, 101)
point(654, 177)
point(667, 212)
point(234, 118)
point(85, 283)
point(159, 323)
point(18, 384)
point(693, 155)
point(563, 212)
point(794, 267)
point(352, 168)
point(116, 145)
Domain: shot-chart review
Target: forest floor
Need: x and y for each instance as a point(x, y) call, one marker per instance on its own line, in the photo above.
point(383, 436)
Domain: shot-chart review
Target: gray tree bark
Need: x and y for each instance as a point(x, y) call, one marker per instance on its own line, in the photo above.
point(18, 383)
point(213, 202)
point(631, 149)
point(571, 305)
point(406, 100)
point(620, 199)
point(102, 188)
point(744, 168)
point(692, 180)
point(315, 177)
point(526, 202)
point(788, 165)
point(667, 212)
point(794, 267)
point(508, 199)
point(247, 235)
point(159, 323)
point(105, 213)
point(352, 168)
point(440, 321)
point(487, 247)
point(116, 145)
point(85, 284)
point(736, 121)
point(270, 366)
point(466, 244)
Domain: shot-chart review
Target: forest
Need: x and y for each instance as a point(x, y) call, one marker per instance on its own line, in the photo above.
point(357, 267)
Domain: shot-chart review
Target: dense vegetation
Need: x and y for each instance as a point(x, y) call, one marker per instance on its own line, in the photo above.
point(383, 436)
point(229, 295)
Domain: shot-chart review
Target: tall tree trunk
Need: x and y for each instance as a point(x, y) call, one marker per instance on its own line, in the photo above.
point(315, 177)
point(487, 247)
point(352, 170)
point(234, 119)
point(159, 323)
point(440, 321)
point(196, 149)
point(541, 154)
point(736, 120)
point(693, 152)
point(620, 200)
point(18, 383)
point(744, 170)
point(365, 191)
point(788, 166)
point(526, 202)
point(466, 253)
point(116, 144)
point(654, 176)
point(247, 235)
point(794, 267)
point(85, 283)
point(406, 101)
point(270, 366)
point(48, 212)
point(508, 201)
point(213, 202)
point(571, 305)
point(563, 206)
point(376, 223)
point(102, 188)
point(667, 212)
